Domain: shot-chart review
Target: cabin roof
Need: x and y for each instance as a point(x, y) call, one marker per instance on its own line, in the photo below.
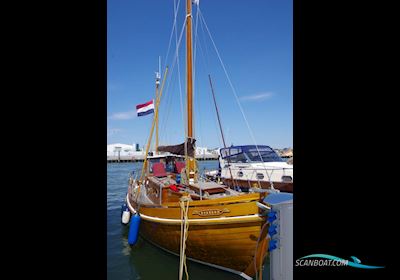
point(248, 146)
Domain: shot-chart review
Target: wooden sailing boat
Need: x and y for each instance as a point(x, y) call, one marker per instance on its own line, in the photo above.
point(180, 213)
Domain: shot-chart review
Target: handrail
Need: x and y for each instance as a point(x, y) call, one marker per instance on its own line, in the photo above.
point(252, 174)
point(255, 169)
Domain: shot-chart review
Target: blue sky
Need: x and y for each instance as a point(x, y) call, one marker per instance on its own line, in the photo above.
point(254, 39)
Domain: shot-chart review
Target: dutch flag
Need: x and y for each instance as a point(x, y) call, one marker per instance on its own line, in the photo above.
point(145, 109)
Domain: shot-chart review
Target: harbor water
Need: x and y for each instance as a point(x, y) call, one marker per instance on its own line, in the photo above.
point(144, 260)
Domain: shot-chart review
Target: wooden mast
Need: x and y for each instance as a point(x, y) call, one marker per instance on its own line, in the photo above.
point(190, 162)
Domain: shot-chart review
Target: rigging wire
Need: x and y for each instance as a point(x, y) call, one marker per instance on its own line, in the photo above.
point(167, 107)
point(207, 63)
point(176, 55)
point(179, 75)
point(206, 71)
point(169, 98)
point(231, 85)
point(172, 32)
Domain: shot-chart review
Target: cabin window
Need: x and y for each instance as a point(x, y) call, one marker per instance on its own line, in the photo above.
point(287, 179)
point(260, 176)
point(230, 152)
point(240, 158)
point(263, 154)
point(240, 174)
point(155, 160)
point(170, 166)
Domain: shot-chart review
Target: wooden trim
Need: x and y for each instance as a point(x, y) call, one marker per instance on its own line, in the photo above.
point(223, 200)
point(224, 210)
point(217, 221)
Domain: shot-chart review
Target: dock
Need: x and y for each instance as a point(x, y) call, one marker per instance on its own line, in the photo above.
point(112, 159)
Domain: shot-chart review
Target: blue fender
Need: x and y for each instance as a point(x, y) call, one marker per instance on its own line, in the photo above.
point(134, 229)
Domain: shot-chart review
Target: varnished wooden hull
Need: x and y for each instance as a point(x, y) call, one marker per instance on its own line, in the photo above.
point(230, 246)
point(229, 240)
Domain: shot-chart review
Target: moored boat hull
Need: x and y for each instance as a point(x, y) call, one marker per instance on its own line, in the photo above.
point(223, 234)
point(230, 246)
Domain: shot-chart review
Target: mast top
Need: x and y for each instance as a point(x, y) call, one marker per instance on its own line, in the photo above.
point(158, 74)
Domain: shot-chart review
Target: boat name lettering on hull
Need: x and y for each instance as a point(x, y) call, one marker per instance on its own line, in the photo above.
point(211, 212)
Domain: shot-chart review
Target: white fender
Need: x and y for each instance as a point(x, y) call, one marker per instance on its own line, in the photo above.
point(126, 215)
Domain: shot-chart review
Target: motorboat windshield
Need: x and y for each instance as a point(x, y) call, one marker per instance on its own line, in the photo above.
point(250, 153)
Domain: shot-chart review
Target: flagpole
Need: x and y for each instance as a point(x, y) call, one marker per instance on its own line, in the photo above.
point(152, 126)
point(158, 76)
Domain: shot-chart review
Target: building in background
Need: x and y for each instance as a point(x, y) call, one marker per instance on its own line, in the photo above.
point(125, 152)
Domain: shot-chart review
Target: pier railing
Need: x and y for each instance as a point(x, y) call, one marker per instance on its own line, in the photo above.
point(141, 158)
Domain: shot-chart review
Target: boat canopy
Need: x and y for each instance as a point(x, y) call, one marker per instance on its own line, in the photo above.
point(250, 153)
point(180, 149)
